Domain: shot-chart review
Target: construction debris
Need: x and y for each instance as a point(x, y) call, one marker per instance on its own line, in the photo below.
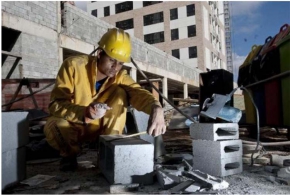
point(121, 188)
point(207, 181)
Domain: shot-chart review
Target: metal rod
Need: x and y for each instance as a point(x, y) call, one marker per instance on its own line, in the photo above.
point(184, 114)
point(268, 79)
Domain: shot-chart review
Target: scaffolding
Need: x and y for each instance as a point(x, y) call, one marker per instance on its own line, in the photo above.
point(227, 17)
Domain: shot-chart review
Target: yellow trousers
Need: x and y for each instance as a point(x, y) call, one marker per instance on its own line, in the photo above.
point(66, 136)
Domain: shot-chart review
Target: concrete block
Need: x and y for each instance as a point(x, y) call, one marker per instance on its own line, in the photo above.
point(126, 160)
point(220, 168)
point(138, 122)
point(15, 130)
point(141, 120)
point(217, 149)
point(214, 131)
point(205, 180)
point(13, 167)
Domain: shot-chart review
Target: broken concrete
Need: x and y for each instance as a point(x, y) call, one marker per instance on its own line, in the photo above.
point(126, 160)
point(166, 180)
point(206, 181)
point(180, 187)
point(193, 188)
point(214, 131)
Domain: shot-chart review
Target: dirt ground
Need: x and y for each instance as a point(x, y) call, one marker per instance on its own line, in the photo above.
point(88, 179)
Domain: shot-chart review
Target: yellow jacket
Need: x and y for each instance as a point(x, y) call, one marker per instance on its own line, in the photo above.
point(75, 89)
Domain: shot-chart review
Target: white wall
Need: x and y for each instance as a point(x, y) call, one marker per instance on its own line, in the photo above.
point(206, 23)
point(207, 58)
point(153, 28)
point(220, 5)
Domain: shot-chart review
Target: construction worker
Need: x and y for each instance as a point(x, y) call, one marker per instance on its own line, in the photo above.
point(91, 95)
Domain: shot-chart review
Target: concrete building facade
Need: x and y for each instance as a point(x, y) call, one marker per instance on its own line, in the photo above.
point(192, 31)
point(43, 35)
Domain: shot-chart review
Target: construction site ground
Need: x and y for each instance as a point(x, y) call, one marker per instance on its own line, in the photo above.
point(88, 179)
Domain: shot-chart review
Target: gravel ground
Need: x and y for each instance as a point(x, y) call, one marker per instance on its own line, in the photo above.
point(88, 179)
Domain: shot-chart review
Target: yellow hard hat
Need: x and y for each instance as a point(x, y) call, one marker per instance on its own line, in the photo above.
point(116, 43)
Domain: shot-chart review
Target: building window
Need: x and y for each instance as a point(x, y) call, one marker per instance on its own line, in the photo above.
point(95, 13)
point(191, 31)
point(192, 52)
point(125, 24)
point(175, 53)
point(125, 6)
point(190, 10)
point(107, 11)
point(174, 34)
point(154, 37)
point(173, 14)
point(147, 3)
point(153, 18)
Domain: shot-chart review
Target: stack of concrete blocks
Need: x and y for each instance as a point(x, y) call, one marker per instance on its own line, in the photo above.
point(216, 148)
point(15, 135)
point(126, 160)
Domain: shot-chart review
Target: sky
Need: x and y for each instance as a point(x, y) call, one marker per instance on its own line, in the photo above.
point(252, 22)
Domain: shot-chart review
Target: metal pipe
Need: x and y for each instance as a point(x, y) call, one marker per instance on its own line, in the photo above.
point(267, 143)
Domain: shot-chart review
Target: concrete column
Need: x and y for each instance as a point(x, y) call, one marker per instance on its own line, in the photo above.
point(133, 73)
point(185, 90)
point(164, 89)
point(60, 49)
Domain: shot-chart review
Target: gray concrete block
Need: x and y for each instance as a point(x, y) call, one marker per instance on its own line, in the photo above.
point(126, 160)
point(13, 167)
point(141, 120)
point(220, 168)
point(214, 131)
point(15, 130)
point(217, 149)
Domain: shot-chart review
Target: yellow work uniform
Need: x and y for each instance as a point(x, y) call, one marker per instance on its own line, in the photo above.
point(75, 89)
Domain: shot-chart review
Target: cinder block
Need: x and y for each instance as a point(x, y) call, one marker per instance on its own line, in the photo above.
point(217, 149)
point(126, 160)
point(220, 168)
point(13, 167)
point(214, 131)
point(15, 130)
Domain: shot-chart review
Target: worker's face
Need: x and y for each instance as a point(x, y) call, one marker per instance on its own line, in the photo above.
point(107, 65)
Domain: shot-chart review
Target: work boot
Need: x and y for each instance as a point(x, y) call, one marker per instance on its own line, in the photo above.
point(68, 164)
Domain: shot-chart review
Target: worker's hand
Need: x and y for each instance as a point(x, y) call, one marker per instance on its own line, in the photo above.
point(95, 111)
point(156, 123)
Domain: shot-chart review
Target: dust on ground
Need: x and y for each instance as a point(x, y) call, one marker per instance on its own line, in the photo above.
point(253, 180)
